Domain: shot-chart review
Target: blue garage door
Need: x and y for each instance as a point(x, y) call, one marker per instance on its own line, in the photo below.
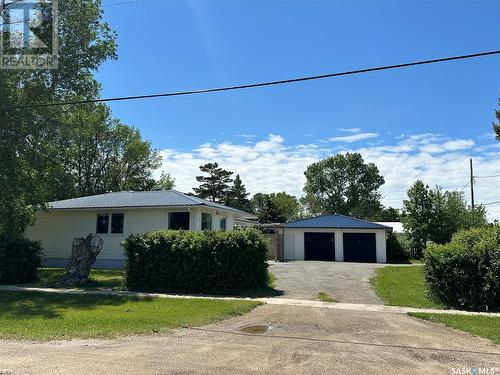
point(319, 246)
point(360, 247)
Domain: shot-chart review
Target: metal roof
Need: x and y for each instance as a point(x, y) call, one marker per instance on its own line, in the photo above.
point(133, 199)
point(335, 221)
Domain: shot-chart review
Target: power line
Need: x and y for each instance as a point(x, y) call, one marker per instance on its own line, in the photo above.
point(497, 175)
point(489, 182)
point(489, 203)
point(119, 3)
point(462, 189)
point(252, 85)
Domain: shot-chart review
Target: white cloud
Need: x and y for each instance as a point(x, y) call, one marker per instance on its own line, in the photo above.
point(354, 137)
point(350, 130)
point(452, 145)
point(270, 165)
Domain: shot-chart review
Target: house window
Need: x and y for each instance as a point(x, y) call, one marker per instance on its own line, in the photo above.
point(223, 224)
point(117, 223)
point(179, 220)
point(102, 223)
point(206, 221)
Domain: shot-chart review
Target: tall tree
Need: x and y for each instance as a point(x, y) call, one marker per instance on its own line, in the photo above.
point(287, 204)
point(387, 214)
point(237, 196)
point(216, 185)
point(267, 210)
point(343, 184)
point(98, 154)
point(165, 182)
point(275, 207)
point(434, 215)
point(417, 216)
point(29, 138)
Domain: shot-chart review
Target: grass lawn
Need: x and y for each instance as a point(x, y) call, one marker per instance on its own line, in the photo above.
point(403, 286)
point(484, 326)
point(53, 277)
point(44, 316)
point(325, 297)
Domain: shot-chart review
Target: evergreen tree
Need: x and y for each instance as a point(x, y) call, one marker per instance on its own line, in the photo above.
point(215, 186)
point(237, 195)
point(275, 207)
point(269, 212)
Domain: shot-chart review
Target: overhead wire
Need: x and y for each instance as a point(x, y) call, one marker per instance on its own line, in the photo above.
point(251, 85)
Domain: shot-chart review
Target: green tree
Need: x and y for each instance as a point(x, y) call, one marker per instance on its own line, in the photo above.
point(343, 184)
point(216, 185)
point(275, 207)
point(434, 215)
point(267, 210)
point(166, 182)
point(99, 155)
point(496, 126)
point(237, 196)
point(417, 216)
point(387, 214)
point(287, 204)
point(30, 138)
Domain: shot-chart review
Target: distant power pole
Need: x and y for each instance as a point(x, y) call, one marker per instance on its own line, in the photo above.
point(471, 184)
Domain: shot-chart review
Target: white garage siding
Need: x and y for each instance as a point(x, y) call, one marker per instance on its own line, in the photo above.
point(294, 242)
point(56, 230)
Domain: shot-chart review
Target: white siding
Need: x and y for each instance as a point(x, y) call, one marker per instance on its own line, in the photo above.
point(381, 246)
point(289, 246)
point(56, 229)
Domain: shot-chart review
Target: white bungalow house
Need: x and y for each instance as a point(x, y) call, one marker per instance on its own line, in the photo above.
point(114, 216)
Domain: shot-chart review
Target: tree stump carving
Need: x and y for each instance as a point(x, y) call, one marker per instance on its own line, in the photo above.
point(84, 253)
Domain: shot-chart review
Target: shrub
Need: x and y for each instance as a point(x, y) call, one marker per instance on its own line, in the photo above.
point(196, 262)
point(395, 250)
point(465, 272)
point(19, 259)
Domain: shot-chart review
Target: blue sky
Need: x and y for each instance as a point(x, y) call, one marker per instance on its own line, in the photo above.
point(422, 122)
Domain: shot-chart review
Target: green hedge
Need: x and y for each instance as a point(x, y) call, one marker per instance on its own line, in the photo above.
point(465, 273)
point(19, 259)
point(196, 262)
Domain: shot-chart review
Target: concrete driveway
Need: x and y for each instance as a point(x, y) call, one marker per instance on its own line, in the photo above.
point(347, 282)
point(302, 340)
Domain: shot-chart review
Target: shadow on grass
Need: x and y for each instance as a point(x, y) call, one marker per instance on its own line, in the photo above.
point(398, 261)
point(99, 278)
point(26, 305)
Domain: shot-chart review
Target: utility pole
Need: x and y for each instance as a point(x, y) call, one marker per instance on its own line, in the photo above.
point(471, 185)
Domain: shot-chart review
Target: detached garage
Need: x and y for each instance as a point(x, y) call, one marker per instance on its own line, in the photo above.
point(335, 238)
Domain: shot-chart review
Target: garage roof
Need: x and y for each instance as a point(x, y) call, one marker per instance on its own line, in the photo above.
point(133, 199)
point(335, 221)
